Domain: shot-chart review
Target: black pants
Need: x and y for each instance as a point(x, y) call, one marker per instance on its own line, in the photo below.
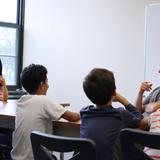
point(5, 142)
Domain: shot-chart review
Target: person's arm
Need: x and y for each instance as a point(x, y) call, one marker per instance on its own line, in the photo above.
point(145, 86)
point(55, 111)
point(131, 111)
point(152, 107)
point(139, 102)
point(119, 98)
point(4, 89)
point(131, 117)
point(71, 116)
point(144, 124)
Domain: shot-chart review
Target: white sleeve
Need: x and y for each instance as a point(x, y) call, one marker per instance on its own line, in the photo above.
point(53, 110)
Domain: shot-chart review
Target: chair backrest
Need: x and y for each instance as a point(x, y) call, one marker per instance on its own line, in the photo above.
point(43, 143)
point(134, 140)
point(16, 94)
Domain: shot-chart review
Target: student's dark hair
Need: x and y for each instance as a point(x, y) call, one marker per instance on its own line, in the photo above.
point(99, 85)
point(1, 67)
point(32, 76)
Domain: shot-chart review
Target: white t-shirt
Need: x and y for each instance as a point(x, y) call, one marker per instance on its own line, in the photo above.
point(34, 112)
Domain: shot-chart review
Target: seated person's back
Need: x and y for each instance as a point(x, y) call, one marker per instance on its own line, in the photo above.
point(102, 122)
point(35, 111)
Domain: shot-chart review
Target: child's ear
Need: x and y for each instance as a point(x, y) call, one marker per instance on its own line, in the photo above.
point(42, 85)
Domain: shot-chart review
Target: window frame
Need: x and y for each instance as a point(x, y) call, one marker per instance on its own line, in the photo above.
point(19, 25)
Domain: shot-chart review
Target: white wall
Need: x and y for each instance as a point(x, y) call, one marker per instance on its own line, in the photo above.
point(70, 37)
point(152, 43)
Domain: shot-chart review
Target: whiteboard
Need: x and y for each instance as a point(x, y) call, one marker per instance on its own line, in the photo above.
point(152, 44)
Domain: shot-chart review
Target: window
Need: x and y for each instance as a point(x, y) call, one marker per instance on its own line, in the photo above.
point(11, 40)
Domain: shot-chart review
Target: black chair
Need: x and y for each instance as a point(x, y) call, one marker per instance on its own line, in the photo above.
point(44, 145)
point(133, 141)
point(5, 143)
point(5, 152)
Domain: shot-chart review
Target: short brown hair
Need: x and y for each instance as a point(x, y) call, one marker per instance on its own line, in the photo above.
point(99, 85)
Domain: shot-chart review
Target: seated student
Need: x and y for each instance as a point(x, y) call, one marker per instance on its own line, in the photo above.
point(151, 103)
point(102, 122)
point(3, 87)
point(35, 111)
